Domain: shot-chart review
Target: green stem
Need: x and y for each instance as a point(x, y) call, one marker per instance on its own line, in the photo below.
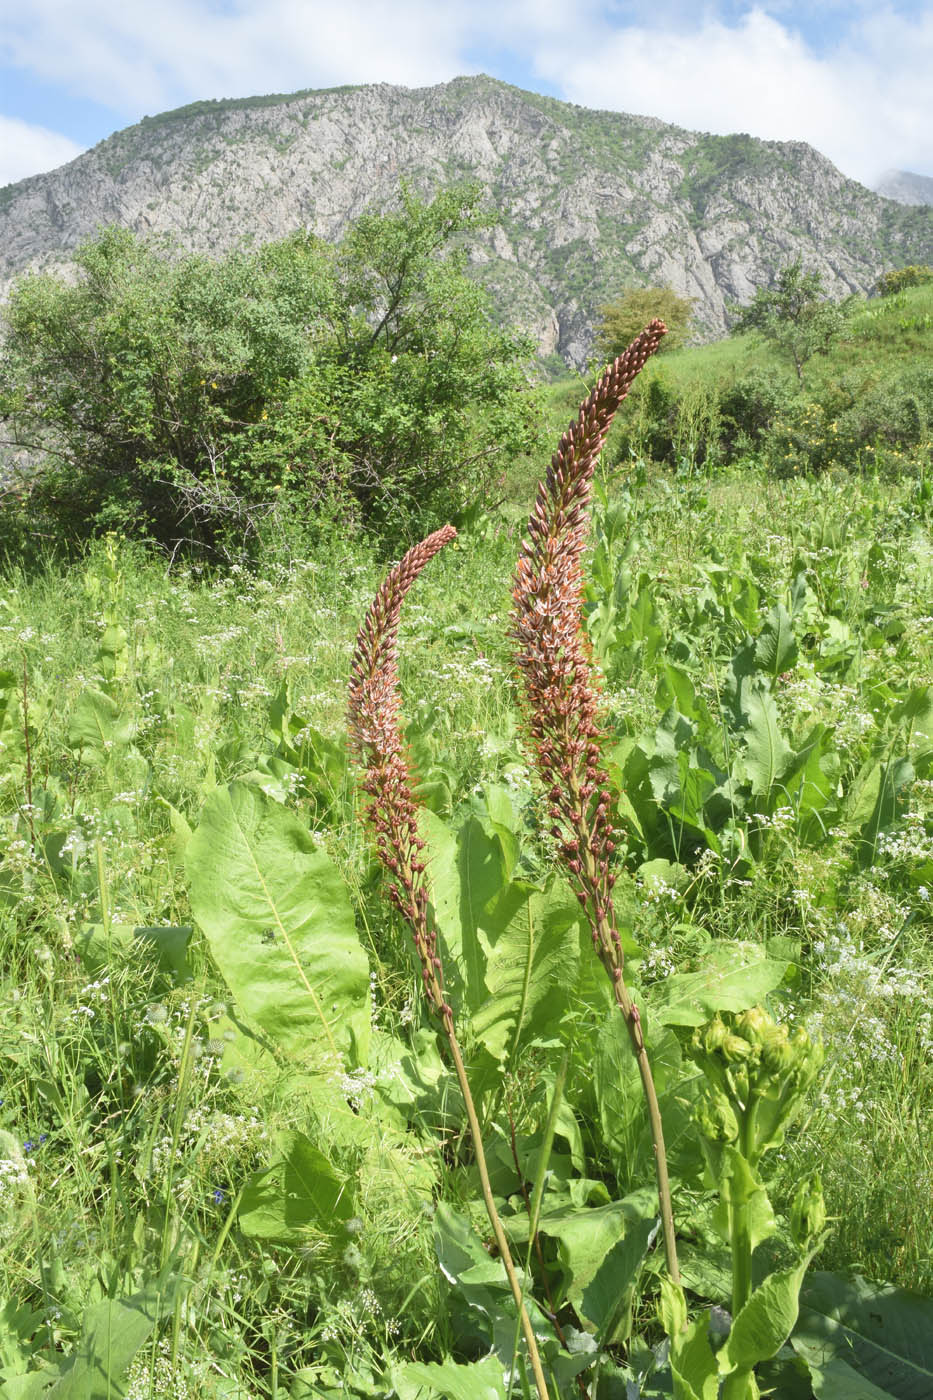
point(495, 1222)
point(739, 1232)
point(633, 1025)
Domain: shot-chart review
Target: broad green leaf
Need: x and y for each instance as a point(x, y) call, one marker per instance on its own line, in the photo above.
point(169, 945)
point(450, 1380)
point(482, 866)
point(617, 1082)
point(8, 683)
point(734, 976)
point(836, 1380)
point(675, 687)
point(766, 751)
point(98, 724)
point(591, 1262)
point(766, 1321)
point(660, 874)
point(113, 1332)
point(608, 1298)
point(443, 878)
point(885, 1334)
point(531, 966)
point(776, 646)
point(298, 1194)
point(281, 929)
point(892, 779)
point(672, 1308)
point(693, 1365)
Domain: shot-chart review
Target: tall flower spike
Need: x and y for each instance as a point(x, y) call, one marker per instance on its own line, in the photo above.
point(376, 739)
point(561, 700)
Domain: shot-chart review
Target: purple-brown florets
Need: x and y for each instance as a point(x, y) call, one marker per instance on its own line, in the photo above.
point(376, 740)
point(561, 700)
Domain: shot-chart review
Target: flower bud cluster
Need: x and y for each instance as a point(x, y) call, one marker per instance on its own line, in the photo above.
point(376, 740)
point(560, 701)
point(757, 1071)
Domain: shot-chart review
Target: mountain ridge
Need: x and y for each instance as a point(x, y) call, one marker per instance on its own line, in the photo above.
point(586, 201)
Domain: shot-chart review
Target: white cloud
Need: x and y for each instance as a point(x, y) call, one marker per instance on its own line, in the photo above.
point(154, 57)
point(863, 96)
point(30, 150)
point(866, 103)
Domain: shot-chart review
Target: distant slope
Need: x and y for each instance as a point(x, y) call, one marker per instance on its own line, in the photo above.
point(906, 187)
point(587, 201)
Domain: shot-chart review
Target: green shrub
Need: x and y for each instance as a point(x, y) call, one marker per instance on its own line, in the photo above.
point(897, 413)
point(749, 407)
point(172, 397)
point(890, 283)
point(622, 319)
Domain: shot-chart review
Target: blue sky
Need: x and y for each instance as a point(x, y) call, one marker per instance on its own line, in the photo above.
point(854, 79)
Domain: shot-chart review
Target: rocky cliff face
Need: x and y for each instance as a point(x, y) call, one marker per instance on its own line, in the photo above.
point(587, 202)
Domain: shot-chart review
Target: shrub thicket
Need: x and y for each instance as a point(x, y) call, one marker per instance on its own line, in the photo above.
point(899, 278)
point(178, 398)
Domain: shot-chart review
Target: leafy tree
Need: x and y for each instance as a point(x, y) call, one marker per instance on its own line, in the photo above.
point(794, 315)
point(177, 397)
point(622, 319)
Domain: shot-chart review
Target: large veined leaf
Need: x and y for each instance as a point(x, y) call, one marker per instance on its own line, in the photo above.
point(766, 751)
point(483, 870)
point(766, 1321)
point(885, 1334)
point(168, 946)
point(464, 871)
point(510, 951)
point(776, 647)
point(884, 790)
point(280, 926)
point(98, 725)
point(600, 1251)
point(531, 967)
point(298, 1192)
point(734, 976)
point(836, 1380)
point(113, 1332)
point(450, 1380)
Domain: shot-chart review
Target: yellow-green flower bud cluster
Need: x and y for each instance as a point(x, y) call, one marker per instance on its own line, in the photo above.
point(757, 1075)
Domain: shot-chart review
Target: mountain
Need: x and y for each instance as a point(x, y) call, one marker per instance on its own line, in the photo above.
point(587, 202)
point(906, 187)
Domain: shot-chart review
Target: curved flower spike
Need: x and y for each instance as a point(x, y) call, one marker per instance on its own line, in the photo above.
point(376, 739)
point(561, 700)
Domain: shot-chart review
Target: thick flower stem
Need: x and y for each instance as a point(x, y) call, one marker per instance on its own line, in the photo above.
point(633, 1025)
point(501, 1241)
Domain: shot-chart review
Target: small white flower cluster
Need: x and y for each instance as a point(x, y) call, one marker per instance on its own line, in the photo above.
point(156, 1378)
point(14, 1177)
point(215, 1138)
point(357, 1085)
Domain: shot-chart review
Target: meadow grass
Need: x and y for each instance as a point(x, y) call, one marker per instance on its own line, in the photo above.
point(133, 1109)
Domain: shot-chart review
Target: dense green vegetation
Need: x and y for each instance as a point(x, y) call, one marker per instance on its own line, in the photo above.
point(233, 1157)
point(622, 319)
point(173, 397)
point(865, 401)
